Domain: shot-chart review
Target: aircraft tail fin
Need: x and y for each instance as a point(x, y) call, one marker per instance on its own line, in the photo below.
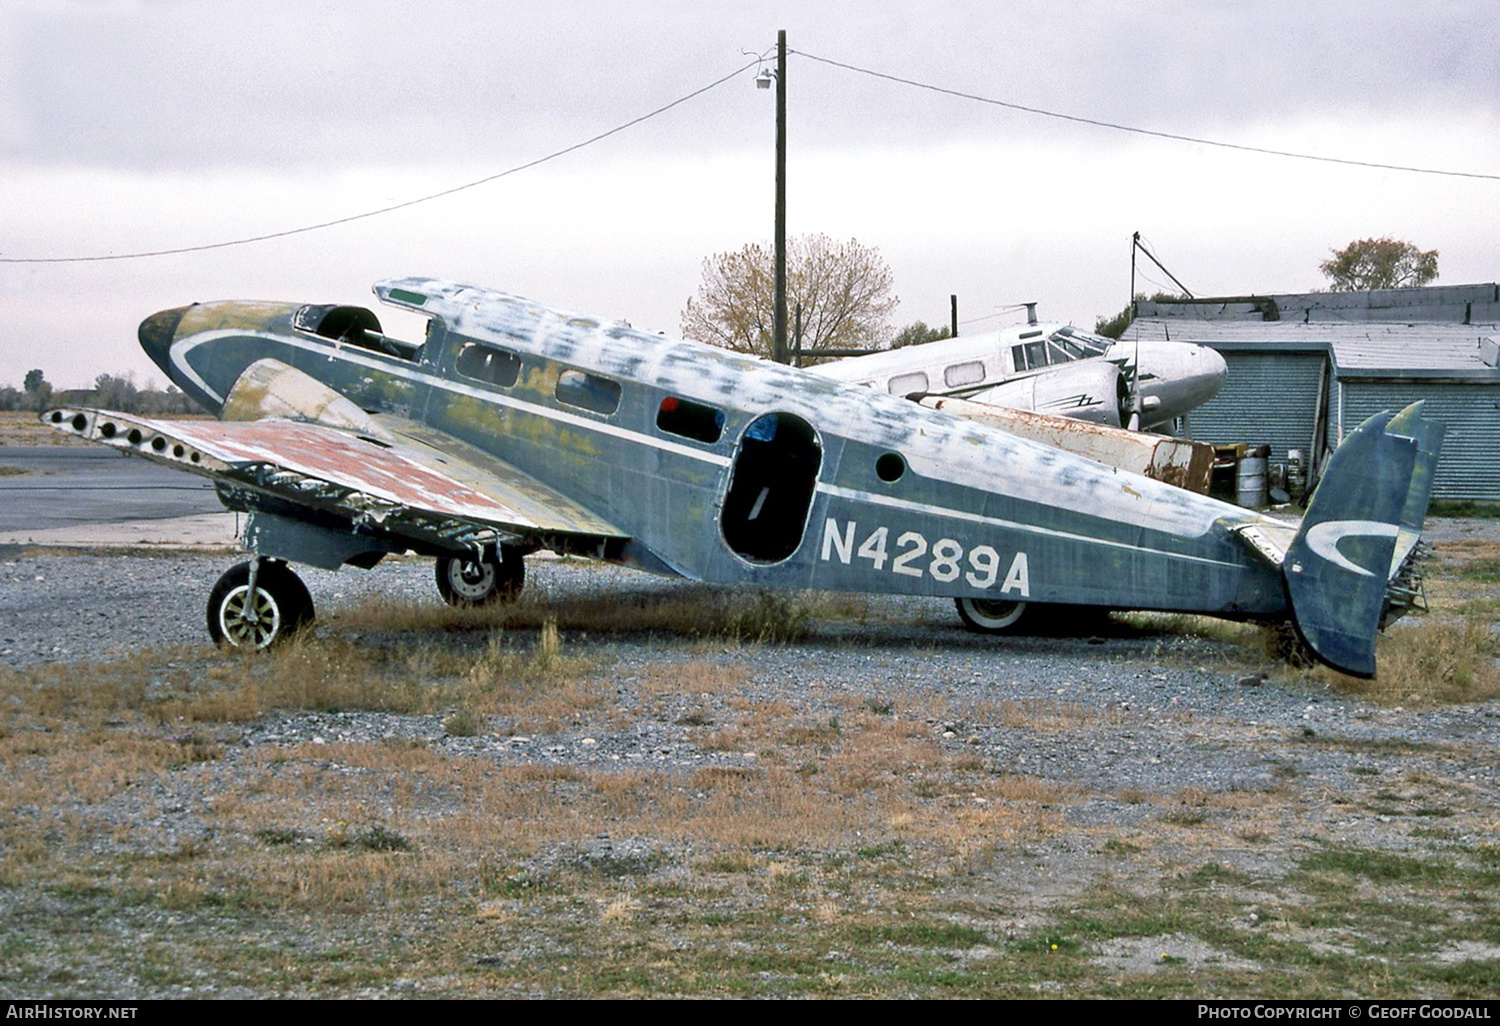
point(1351, 564)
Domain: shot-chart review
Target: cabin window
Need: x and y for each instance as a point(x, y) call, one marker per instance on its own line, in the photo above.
point(771, 488)
point(690, 420)
point(906, 384)
point(970, 373)
point(588, 392)
point(890, 467)
point(487, 364)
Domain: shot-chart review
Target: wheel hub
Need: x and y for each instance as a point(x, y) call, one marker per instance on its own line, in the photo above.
point(249, 622)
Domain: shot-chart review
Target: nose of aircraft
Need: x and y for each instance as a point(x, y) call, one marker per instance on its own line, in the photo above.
point(1212, 370)
point(156, 333)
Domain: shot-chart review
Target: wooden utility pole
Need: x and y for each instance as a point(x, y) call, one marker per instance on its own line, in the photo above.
point(778, 337)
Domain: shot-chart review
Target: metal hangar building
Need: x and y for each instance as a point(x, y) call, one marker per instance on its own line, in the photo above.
point(1306, 369)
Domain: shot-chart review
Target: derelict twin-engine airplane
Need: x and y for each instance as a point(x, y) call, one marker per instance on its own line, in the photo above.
point(1052, 369)
point(514, 427)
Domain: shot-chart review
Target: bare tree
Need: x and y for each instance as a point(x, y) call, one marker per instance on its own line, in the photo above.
point(844, 290)
point(1383, 263)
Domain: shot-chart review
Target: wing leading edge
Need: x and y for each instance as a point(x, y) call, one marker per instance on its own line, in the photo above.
point(411, 483)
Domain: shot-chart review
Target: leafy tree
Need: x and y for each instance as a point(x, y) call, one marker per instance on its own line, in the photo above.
point(116, 393)
point(1383, 263)
point(917, 333)
point(844, 290)
point(38, 391)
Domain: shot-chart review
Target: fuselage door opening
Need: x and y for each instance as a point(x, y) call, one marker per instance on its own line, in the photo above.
point(771, 488)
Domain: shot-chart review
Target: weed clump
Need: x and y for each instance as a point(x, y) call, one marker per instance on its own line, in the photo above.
point(461, 724)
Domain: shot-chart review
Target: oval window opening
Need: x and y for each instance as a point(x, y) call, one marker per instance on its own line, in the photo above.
point(970, 373)
point(690, 420)
point(890, 467)
point(485, 363)
point(906, 384)
point(588, 391)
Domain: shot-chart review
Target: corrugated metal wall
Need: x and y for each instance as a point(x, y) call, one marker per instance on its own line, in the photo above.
point(1267, 399)
point(1469, 467)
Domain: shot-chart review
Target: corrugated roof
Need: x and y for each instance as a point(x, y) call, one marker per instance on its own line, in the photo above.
point(1454, 304)
point(1361, 349)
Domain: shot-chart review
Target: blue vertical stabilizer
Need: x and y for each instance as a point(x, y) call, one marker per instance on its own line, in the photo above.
point(1372, 499)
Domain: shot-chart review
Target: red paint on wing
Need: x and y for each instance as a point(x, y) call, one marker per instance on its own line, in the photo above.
point(345, 460)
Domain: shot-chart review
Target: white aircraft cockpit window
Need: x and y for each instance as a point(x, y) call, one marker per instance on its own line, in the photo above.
point(1067, 344)
point(487, 364)
point(588, 392)
point(906, 384)
point(1031, 355)
point(970, 373)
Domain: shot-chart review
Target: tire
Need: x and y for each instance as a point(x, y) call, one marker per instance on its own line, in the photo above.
point(281, 607)
point(470, 582)
point(991, 617)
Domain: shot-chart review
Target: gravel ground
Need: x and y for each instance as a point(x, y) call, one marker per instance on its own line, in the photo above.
point(1186, 717)
point(1142, 721)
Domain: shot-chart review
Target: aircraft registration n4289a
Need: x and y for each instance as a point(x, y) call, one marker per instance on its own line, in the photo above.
point(513, 427)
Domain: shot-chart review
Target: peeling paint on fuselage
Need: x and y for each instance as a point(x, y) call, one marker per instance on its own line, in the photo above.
point(970, 497)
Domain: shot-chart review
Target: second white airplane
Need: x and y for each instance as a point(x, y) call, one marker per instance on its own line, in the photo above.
point(1049, 368)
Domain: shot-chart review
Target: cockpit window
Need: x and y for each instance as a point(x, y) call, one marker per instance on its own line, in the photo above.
point(1068, 344)
point(1063, 346)
point(354, 326)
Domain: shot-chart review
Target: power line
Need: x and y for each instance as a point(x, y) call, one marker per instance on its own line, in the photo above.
point(1146, 131)
point(1003, 311)
point(393, 207)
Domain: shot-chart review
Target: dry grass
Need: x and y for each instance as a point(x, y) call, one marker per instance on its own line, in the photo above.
point(1451, 655)
point(1429, 660)
point(743, 615)
point(820, 842)
point(351, 826)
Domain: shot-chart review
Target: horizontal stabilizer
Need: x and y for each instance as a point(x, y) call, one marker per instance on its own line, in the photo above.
point(1374, 490)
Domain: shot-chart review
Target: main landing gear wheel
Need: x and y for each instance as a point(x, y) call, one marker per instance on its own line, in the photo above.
point(991, 617)
point(279, 607)
point(479, 582)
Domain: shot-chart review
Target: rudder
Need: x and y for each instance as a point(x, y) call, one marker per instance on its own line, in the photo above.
point(1374, 489)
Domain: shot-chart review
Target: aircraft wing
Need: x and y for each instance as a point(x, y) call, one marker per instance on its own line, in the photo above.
point(405, 481)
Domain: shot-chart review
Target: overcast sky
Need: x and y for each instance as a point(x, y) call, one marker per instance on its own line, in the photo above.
point(135, 125)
